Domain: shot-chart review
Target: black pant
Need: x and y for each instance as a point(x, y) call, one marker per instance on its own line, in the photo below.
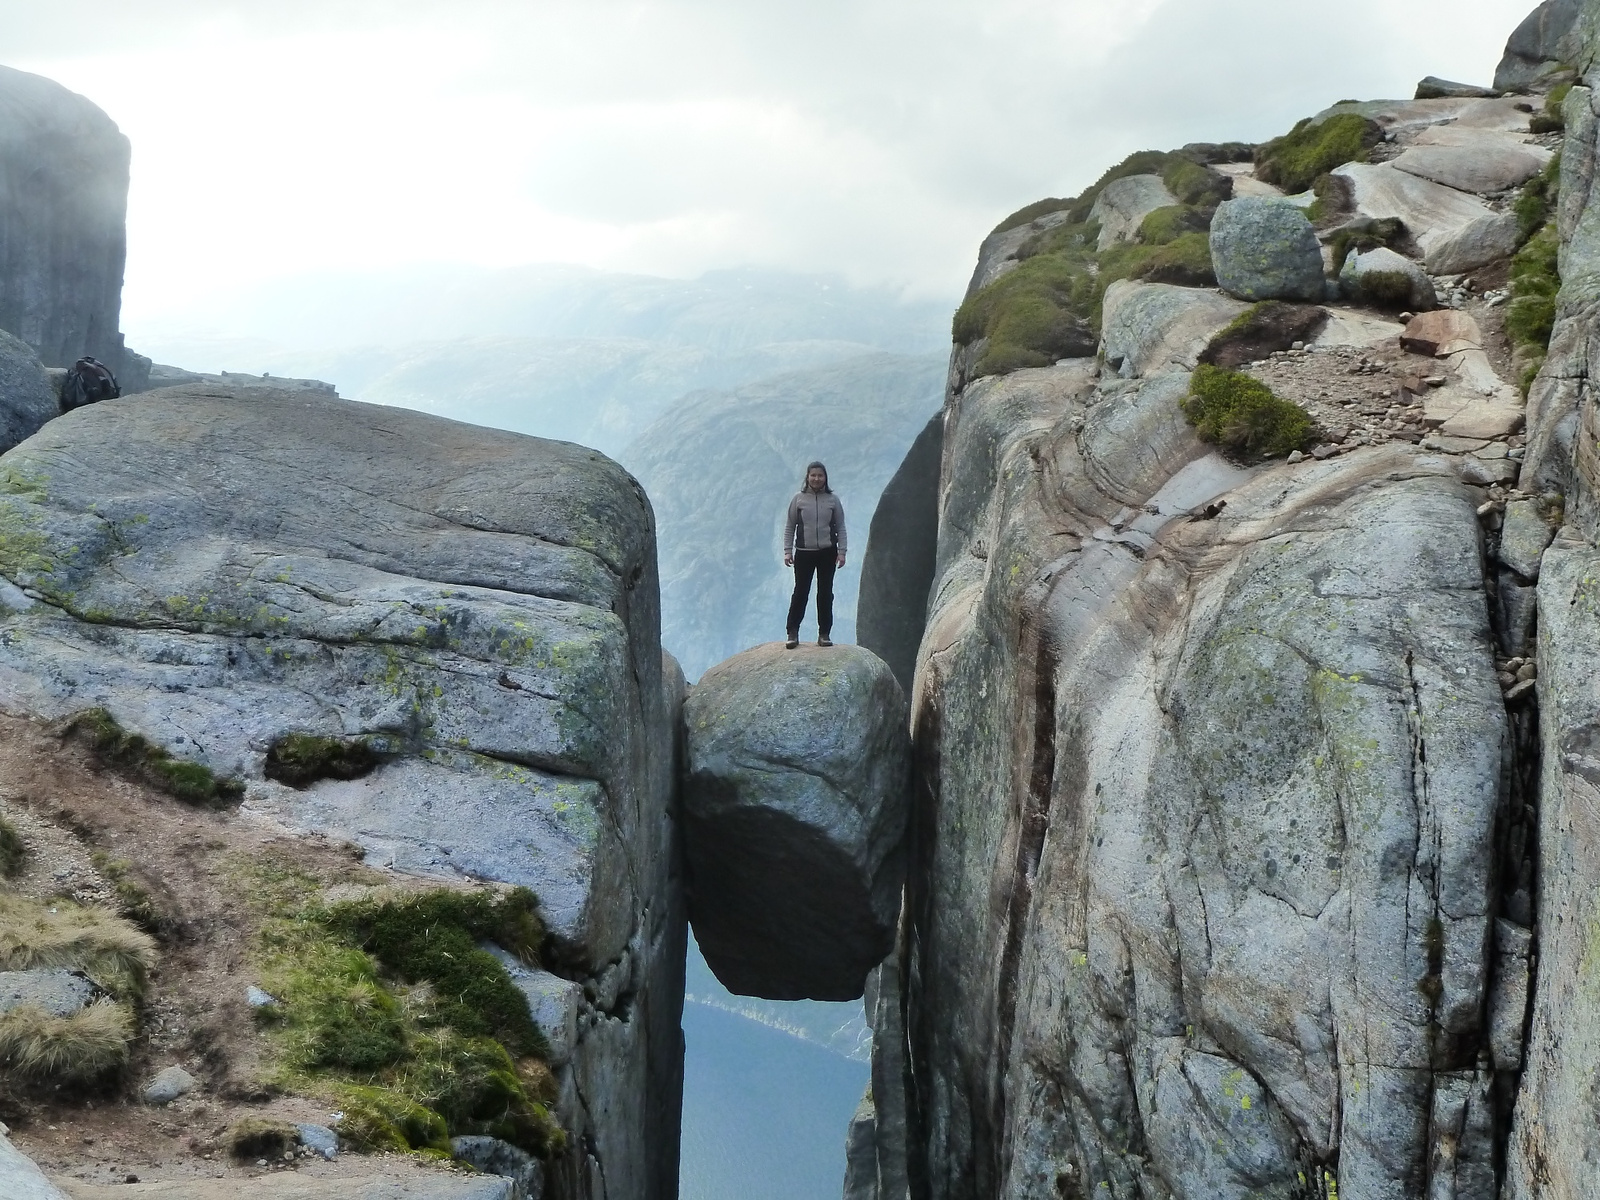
point(822, 564)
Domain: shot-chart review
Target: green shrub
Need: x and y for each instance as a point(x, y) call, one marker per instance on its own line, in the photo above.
point(337, 1012)
point(12, 850)
point(1538, 200)
point(1185, 260)
point(300, 759)
point(1195, 184)
point(1243, 415)
point(1166, 225)
point(1030, 213)
point(1364, 236)
point(473, 1084)
point(1032, 316)
point(433, 938)
point(135, 756)
point(378, 1118)
point(1535, 280)
point(1551, 119)
point(1295, 161)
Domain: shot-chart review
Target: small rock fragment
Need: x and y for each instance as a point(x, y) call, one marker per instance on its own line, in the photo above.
point(258, 998)
point(319, 1139)
point(1296, 456)
point(1521, 690)
point(168, 1086)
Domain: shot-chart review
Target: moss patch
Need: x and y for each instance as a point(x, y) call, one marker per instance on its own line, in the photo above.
point(1535, 274)
point(1243, 415)
point(300, 759)
point(1167, 225)
point(1537, 201)
point(1296, 160)
point(257, 1137)
point(390, 1010)
point(137, 757)
point(1034, 315)
point(1193, 183)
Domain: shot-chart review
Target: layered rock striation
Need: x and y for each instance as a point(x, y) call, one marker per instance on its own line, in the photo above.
point(223, 570)
point(1248, 851)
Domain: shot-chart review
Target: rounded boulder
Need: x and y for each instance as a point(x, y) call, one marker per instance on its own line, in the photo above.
point(1388, 280)
point(795, 798)
point(1266, 249)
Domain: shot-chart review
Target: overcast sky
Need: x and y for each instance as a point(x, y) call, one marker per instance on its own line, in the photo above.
point(878, 138)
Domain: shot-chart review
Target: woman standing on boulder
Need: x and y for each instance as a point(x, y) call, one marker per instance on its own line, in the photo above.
point(813, 544)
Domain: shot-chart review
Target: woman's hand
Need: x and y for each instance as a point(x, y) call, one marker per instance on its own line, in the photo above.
point(788, 559)
point(841, 558)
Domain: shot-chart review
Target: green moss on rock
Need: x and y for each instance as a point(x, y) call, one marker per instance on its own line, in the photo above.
point(1537, 200)
point(1166, 225)
point(300, 759)
point(1310, 150)
point(1241, 414)
point(1030, 213)
point(1551, 119)
point(1032, 316)
point(135, 756)
point(1364, 236)
point(1194, 183)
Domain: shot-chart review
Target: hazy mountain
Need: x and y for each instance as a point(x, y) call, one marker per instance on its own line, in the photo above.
point(720, 468)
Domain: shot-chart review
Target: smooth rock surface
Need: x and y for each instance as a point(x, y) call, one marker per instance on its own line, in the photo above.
point(1123, 205)
point(27, 397)
point(1371, 275)
point(168, 1085)
point(1434, 88)
point(63, 209)
point(319, 1138)
point(1264, 249)
point(373, 1184)
point(220, 568)
point(1456, 232)
point(897, 569)
point(20, 1177)
point(1473, 159)
point(1150, 328)
point(57, 991)
point(794, 805)
point(1523, 538)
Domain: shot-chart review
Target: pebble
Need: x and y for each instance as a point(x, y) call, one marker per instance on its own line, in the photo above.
point(258, 998)
point(168, 1086)
point(1527, 671)
point(1296, 456)
point(1521, 690)
point(319, 1138)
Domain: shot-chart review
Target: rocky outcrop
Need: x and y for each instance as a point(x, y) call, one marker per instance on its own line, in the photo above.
point(220, 569)
point(1124, 204)
point(20, 1178)
point(1247, 852)
point(1540, 46)
point(897, 569)
point(1386, 279)
point(63, 210)
point(794, 817)
point(1264, 249)
point(27, 397)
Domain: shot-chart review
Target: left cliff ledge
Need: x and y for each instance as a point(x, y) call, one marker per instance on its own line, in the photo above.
point(224, 569)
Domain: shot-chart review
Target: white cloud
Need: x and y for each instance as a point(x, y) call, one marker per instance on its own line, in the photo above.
point(878, 138)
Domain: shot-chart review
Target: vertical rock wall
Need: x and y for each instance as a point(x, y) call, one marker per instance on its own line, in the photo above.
point(63, 211)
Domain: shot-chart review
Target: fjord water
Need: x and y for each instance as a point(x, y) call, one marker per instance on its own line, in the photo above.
point(764, 1111)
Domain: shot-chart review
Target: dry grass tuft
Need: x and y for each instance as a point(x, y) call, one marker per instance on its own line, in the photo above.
point(102, 945)
point(38, 1045)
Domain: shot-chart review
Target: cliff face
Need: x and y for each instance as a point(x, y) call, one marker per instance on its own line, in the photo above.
point(63, 210)
point(1237, 824)
point(225, 568)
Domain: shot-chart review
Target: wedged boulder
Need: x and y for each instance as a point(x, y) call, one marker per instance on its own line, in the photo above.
point(1538, 46)
point(220, 568)
point(1263, 249)
point(794, 801)
point(1124, 204)
point(27, 397)
point(1386, 279)
point(1455, 232)
point(1148, 328)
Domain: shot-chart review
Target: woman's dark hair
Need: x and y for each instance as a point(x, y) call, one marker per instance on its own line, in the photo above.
point(805, 479)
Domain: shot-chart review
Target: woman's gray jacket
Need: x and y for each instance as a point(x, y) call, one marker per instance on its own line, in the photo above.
point(816, 522)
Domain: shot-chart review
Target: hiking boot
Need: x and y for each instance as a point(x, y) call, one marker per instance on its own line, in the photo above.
point(794, 640)
point(824, 641)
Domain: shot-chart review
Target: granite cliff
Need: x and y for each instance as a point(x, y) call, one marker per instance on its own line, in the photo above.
point(1254, 713)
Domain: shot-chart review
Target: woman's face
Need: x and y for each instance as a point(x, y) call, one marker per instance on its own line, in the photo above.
point(816, 479)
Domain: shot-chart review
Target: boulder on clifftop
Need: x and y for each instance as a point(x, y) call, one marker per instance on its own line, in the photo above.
point(795, 806)
point(27, 399)
point(1264, 249)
